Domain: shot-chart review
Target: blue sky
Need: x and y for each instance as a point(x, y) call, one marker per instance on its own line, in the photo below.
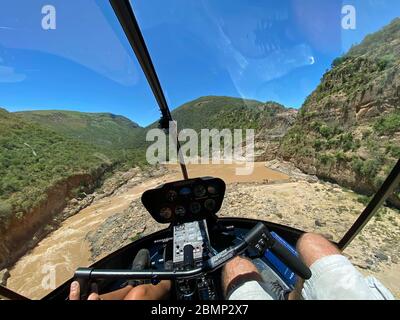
point(260, 49)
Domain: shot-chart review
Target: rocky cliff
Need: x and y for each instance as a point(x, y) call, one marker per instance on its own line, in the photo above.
point(348, 129)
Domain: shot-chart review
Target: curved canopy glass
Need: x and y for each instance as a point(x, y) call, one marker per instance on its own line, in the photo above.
point(308, 89)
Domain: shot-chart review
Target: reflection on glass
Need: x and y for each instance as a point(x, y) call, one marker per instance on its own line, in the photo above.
point(317, 82)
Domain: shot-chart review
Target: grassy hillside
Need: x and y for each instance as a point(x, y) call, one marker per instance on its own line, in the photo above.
point(348, 130)
point(223, 113)
point(34, 158)
point(103, 129)
point(219, 112)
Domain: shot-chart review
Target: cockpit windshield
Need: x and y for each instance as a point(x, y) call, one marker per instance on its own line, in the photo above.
point(294, 104)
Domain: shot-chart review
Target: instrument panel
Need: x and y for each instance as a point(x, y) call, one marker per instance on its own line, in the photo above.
point(185, 201)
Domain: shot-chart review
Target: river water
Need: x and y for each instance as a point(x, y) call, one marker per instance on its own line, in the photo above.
point(58, 255)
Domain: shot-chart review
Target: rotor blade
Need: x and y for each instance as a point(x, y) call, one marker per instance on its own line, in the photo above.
point(127, 19)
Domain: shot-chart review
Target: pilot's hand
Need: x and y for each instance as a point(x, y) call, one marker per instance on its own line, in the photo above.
point(74, 292)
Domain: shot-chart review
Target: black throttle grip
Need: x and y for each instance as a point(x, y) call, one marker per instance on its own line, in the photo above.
point(291, 260)
point(256, 233)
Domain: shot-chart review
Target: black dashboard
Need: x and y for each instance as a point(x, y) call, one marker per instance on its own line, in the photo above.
point(185, 201)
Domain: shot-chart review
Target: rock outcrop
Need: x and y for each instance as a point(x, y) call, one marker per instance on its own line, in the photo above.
point(348, 130)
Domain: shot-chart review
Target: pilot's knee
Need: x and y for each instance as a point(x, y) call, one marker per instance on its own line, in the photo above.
point(137, 293)
point(239, 267)
point(312, 246)
point(235, 261)
point(309, 238)
point(240, 263)
point(312, 239)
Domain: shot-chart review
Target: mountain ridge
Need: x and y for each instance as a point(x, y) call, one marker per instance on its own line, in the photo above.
point(102, 129)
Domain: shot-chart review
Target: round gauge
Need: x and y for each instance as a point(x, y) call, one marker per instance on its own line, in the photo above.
point(166, 213)
point(199, 191)
point(212, 190)
point(210, 204)
point(171, 195)
point(185, 191)
point(180, 211)
point(195, 207)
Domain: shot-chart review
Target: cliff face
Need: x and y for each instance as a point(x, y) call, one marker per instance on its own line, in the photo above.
point(271, 132)
point(348, 129)
point(23, 232)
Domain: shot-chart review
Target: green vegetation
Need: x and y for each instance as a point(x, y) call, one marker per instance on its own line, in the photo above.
point(33, 159)
point(367, 168)
point(377, 40)
point(225, 113)
point(338, 61)
point(101, 129)
point(393, 151)
point(136, 237)
point(380, 214)
point(365, 200)
point(388, 124)
point(387, 61)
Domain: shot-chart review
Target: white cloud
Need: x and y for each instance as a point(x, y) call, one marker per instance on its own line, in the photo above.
point(8, 75)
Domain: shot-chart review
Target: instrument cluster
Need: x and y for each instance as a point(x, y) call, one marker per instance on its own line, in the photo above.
point(184, 201)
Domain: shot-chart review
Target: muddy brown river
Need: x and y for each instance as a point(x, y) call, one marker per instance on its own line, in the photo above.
point(58, 255)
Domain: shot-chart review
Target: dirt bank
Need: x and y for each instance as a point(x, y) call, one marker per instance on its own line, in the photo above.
point(24, 232)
